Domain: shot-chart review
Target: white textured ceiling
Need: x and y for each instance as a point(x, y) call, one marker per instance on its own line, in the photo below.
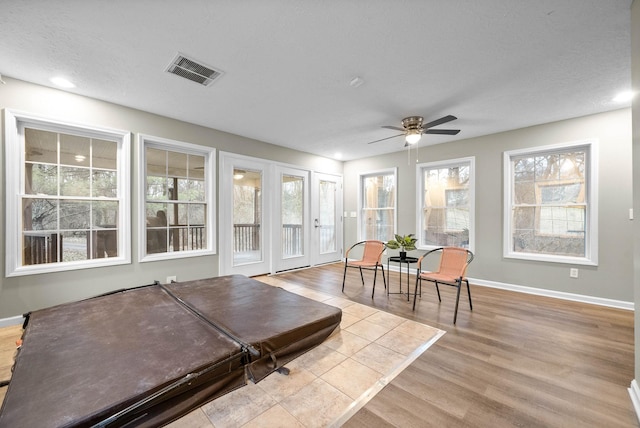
point(495, 64)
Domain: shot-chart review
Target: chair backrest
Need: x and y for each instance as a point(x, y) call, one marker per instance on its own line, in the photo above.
point(373, 251)
point(454, 261)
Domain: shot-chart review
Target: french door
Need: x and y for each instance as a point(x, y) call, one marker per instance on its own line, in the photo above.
point(245, 216)
point(326, 207)
point(275, 217)
point(291, 239)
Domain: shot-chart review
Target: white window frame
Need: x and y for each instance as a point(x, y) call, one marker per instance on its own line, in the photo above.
point(209, 154)
point(591, 183)
point(448, 163)
point(361, 177)
point(14, 124)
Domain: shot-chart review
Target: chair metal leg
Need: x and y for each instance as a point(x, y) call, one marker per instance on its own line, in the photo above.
point(384, 279)
point(415, 291)
point(459, 286)
point(469, 292)
point(344, 277)
point(438, 290)
point(361, 277)
point(375, 275)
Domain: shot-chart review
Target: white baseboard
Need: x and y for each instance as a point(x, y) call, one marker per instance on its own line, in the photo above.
point(634, 392)
point(8, 322)
point(620, 304)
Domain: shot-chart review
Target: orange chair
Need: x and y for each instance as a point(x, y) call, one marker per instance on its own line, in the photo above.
point(371, 256)
point(452, 271)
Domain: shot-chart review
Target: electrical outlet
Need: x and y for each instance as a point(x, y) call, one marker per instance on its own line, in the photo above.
point(573, 273)
point(171, 279)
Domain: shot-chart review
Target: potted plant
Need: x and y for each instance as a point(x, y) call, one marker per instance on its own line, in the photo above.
point(404, 242)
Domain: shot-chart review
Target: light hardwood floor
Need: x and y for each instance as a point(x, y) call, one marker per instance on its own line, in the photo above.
point(516, 360)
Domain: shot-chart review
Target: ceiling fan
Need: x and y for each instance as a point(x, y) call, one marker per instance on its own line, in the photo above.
point(413, 128)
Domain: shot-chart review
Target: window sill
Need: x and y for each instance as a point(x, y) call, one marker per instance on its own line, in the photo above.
point(549, 258)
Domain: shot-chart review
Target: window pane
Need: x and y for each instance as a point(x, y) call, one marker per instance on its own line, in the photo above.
point(292, 215)
point(74, 246)
point(550, 207)
point(156, 162)
point(41, 179)
point(378, 224)
point(446, 211)
point(524, 218)
point(75, 214)
point(40, 214)
point(105, 154)
point(40, 247)
point(197, 214)
point(327, 218)
point(74, 181)
point(75, 150)
point(105, 214)
point(379, 203)
point(175, 176)
point(190, 190)
point(157, 223)
point(105, 184)
point(247, 216)
point(524, 192)
point(196, 167)
point(40, 146)
point(157, 188)
point(177, 164)
point(379, 191)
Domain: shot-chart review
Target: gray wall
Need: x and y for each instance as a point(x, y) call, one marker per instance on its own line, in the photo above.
point(611, 279)
point(26, 293)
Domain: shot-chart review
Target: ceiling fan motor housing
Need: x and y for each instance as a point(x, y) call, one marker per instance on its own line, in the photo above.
point(412, 122)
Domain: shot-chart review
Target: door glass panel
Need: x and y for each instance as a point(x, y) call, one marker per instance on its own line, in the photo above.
point(292, 216)
point(327, 218)
point(247, 216)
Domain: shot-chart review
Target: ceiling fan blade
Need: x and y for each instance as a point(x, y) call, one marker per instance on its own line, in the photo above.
point(382, 139)
point(395, 128)
point(440, 121)
point(441, 131)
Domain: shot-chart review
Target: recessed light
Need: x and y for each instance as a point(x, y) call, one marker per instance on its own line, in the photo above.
point(62, 82)
point(338, 155)
point(623, 97)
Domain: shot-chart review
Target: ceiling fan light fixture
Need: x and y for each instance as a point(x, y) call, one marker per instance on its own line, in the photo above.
point(413, 136)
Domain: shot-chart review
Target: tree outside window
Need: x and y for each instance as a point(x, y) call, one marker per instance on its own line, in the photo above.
point(446, 203)
point(550, 203)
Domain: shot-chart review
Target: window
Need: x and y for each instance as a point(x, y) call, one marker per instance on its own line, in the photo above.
point(67, 195)
point(551, 206)
point(378, 205)
point(178, 203)
point(446, 203)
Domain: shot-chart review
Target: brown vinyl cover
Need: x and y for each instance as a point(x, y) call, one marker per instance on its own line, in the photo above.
point(279, 324)
point(140, 357)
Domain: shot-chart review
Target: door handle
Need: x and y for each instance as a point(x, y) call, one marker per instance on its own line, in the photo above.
point(316, 223)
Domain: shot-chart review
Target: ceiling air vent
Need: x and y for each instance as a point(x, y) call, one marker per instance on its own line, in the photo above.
point(191, 70)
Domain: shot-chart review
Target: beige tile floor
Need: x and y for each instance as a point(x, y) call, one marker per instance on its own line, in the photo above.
point(330, 383)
